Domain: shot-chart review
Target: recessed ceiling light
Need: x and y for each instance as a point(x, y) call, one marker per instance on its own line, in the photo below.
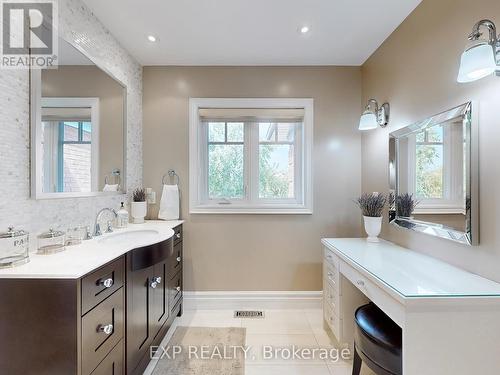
point(304, 29)
point(151, 38)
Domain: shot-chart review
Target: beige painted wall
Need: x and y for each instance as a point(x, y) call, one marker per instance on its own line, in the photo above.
point(415, 70)
point(90, 81)
point(259, 252)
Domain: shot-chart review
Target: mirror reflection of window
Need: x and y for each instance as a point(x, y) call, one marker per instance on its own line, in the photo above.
point(70, 144)
point(429, 165)
point(69, 147)
point(436, 168)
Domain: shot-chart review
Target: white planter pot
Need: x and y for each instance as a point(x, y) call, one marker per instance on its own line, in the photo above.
point(138, 211)
point(373, 226)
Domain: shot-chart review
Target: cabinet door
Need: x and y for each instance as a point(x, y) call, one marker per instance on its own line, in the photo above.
point(139, 315)
point(113, 364)
point(159, 301)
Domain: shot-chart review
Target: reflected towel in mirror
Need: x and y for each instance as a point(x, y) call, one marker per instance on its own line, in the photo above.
point(108, 187)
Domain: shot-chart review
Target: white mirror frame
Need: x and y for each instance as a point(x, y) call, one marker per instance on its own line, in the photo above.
point(35, 147)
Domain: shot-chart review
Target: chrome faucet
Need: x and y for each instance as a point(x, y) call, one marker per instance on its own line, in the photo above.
point(97, 231)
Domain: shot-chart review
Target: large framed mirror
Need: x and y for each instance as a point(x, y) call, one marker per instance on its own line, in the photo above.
point(78, 128)
point(433, 173)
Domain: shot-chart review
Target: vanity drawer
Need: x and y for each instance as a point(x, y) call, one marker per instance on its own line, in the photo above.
point(382, 299)
point(102, 329)
point(175, 290)
point(332, 319)
point(331, 296)
point(177, 234)
point(331, 258)
point(331, 275)
point(175, 260)
point(100, 284)
point(114, 363)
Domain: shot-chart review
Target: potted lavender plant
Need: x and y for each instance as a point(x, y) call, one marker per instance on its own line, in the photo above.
point(139, 206)
point(371, 206)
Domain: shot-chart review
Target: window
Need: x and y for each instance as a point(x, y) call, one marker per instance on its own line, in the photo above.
point(436, 168)
point(69, 145)
point(250, 155)
point(430, 164)
point(74, 156)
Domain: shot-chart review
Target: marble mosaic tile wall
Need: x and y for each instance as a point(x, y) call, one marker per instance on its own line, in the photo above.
point(79, 26)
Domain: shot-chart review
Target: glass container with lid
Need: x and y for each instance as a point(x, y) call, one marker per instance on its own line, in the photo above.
point(51, 242)
point(14, 248)
point(74, 236)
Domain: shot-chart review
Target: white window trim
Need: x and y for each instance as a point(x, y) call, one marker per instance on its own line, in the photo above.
point(196, 170)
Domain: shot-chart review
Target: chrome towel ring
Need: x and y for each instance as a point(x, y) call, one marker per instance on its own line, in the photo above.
point(172, 174)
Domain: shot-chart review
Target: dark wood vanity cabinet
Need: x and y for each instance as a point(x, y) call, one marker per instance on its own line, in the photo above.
point(101, 324)
point(153, 297)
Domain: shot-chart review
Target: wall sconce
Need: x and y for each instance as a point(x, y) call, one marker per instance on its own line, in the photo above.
point(481, 56)
point(374, 116)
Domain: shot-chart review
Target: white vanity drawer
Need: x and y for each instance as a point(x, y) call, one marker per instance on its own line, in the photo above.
point(331, 258)
point(331, 275)
point(377, 295)
point(332, 319)
point(331, 296)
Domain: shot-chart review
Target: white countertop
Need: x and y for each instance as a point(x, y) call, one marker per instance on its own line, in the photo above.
point(77, 261)
point(410, 273)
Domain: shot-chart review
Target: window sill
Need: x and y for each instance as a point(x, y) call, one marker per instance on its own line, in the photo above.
point(291, 210)
point(439, 211)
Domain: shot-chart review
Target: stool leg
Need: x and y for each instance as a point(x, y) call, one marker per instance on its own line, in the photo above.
point(356, 366)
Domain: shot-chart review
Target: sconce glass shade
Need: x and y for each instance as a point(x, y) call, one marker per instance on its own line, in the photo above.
point(368, 121)
point(478, 61)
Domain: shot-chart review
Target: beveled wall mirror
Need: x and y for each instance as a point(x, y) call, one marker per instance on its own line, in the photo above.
point(435, 161)
point(78, 127)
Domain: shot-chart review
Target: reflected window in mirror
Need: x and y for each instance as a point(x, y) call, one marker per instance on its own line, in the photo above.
point(436, 168)
point(69, 145)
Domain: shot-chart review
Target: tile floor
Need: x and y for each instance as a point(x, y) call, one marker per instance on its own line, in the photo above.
point(279, 328)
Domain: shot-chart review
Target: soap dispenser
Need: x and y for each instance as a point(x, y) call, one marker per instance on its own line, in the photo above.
point(122, 217)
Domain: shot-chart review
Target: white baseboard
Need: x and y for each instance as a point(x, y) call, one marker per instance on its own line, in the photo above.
point(252, 300)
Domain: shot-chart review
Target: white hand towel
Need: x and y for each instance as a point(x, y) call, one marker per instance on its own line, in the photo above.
point(110, 187)
point(169, 203)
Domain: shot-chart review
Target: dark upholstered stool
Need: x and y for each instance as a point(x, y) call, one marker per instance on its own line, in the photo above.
point(377, 342)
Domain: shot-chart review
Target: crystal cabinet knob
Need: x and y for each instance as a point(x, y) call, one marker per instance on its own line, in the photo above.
point(107, 283)
point(178, 259)
point(178, 288)
point(178, 235)
point(105, 328)
point(155, 281)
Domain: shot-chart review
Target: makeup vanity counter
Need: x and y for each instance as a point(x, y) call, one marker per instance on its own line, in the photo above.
point(448, 316)
point(96, 308)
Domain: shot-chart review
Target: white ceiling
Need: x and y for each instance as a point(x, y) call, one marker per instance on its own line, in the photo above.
point(252, 32)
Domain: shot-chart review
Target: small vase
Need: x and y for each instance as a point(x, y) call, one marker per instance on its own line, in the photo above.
point(138, 211)
point(373, 226)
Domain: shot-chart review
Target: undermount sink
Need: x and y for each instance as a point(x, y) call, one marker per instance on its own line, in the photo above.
point(130, 236)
